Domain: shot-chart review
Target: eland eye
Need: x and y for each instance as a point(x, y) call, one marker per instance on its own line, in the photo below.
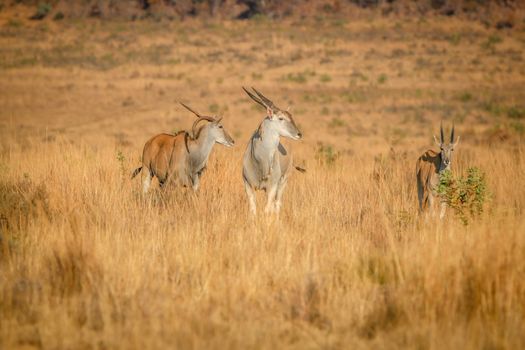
point(220, 126)
point(281, 118)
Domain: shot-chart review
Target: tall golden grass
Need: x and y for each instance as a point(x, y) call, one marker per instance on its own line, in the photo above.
point(88, 262)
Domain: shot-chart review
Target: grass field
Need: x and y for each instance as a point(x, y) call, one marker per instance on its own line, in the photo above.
point(87, 262)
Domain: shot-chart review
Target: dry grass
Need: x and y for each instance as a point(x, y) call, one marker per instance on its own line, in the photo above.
point(86, 262)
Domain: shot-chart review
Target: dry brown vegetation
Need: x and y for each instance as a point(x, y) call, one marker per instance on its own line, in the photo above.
point(86, 262)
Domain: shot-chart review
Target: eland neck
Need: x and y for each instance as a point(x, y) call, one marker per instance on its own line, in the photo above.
point(442, 166)
point(201, 148)
point(269, 135)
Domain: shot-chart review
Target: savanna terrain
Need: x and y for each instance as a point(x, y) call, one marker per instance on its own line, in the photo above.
point(88, 262)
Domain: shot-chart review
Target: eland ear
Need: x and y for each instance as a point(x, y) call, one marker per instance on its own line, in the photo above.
point(456, 142)
point(436, 141)
point(269, 112)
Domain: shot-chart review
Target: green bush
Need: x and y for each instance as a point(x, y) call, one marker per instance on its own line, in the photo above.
point(336, 123)
point(466, 196)
point(465, 97)
point(491, 42)
point(518, 127)
point(515, 112)
point(382, 78)
point(42, 11)
point(58, 16)
point(14, 23)
point(296, 78)
point(326, 154)
point(325, 78)
point(454, 39)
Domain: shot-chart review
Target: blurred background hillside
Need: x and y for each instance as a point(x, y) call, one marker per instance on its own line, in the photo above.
point(499, 13)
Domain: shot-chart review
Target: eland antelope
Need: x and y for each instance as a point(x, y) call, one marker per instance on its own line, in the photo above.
point(267, 164)
point(182, 157)
point(428, 169)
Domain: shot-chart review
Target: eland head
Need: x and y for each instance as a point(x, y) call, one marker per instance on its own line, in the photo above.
point(446, 149)
point(279, 120)
point(215, 128)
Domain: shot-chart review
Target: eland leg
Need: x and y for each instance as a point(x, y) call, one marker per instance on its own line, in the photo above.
point(270, 203)
point(195, 182)
point(420, 197)
point(251, 197)
point(279, 195)
point(146, 183)
point(442, 211)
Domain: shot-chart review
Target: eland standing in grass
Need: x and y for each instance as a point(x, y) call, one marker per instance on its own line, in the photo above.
point(182, 158)
point(428, 169)
point(267, 164)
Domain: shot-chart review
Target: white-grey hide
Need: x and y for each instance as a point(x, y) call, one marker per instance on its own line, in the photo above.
point(267, 163)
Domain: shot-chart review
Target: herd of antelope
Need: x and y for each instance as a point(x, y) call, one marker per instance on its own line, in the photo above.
point(181, 158)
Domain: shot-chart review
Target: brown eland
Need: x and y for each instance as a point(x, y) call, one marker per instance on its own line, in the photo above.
point(429, 167)
point(181, 158)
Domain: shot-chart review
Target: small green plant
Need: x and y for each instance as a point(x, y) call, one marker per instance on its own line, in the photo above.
point(518, 127)
point(339, 23)
point(58, 16)
point(296, 78)
point(475, 61)
point(325, 78)
point(42, 10)
point(465, 97)
point(492, 107)
point(121, 159)
point(336, 123)
point(14, 23)
point(328, 8)
point(422, 63)
point(326, 154)
point(299, 77)
point(382, 78)
point(353, 97)
point(490, 43)
point(465, 195)
point(516, 112)
point(454, 39)
point(259, 18)
point(214, 108)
